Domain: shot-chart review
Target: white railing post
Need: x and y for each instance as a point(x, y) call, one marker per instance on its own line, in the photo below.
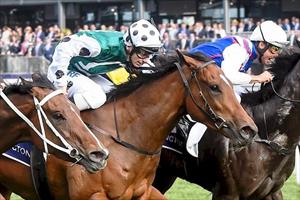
point(297, 165)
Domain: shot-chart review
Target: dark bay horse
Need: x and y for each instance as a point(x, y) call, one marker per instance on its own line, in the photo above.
point(133, 126)
point(259, 170)
point(24, 109)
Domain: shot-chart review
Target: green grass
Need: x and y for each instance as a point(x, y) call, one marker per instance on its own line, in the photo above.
point(291, 191)
point(183, 190)
point(15, 197)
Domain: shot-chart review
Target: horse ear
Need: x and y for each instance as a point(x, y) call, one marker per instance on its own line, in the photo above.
point(26, 85)
point(180, 55)
point(36, 76)
point(23, 81)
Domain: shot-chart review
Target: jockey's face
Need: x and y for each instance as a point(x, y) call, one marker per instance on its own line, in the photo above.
point(138, 58)
point(270, 54)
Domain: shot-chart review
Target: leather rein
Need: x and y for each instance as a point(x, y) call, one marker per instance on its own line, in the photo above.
point(278, 148)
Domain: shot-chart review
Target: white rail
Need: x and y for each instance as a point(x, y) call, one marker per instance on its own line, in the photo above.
point(297, 165)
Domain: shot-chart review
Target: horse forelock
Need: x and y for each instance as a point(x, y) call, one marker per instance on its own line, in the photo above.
point(284, 65)
point(26, 86)
point(16, 88)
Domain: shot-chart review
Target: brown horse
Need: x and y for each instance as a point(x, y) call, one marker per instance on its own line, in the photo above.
point(24, 109)
point(134, 125)
point(259, 170)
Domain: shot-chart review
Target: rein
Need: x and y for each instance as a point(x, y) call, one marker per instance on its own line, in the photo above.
point(126, 144)
point(72, 152)
point(281, 97)
point(118, 139)
point(219, 122)
point(278, 148)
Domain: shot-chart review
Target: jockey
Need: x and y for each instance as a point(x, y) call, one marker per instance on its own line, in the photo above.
point(79, 60)
point(235, 55)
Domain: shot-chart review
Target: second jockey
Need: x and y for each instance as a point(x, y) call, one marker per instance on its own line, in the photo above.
point(235, 55)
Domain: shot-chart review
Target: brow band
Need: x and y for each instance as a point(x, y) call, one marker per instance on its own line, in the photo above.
point(206, 64)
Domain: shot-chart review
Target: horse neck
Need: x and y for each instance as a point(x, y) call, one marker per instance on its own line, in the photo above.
point(12, 127)
point(147, 114)
point(277, 117)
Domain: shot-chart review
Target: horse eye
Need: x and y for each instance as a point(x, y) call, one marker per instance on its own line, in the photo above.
point(214, 88)
point(58, 116)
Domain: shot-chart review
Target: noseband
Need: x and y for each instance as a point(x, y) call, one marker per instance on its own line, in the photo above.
point(219, 122)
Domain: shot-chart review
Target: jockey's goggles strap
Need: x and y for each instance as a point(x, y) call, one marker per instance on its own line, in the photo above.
point(262, 51)
point(262, 35)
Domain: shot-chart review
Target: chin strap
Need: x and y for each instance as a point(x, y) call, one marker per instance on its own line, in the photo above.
point(261, 51)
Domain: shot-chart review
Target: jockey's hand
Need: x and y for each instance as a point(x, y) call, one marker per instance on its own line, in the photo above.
point(264, 77)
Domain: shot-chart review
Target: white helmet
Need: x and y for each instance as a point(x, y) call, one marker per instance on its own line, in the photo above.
point(271, 33)
point(143, 34)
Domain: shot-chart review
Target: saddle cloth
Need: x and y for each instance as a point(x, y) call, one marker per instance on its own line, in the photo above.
point(175, 142)
point(28, 155)
point(186, 134)
point(177, 139)
point(20, 153)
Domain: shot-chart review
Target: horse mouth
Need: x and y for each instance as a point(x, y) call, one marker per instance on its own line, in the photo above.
point(240, 138)
point(94, 161)
point(247, 136)
point(93, 167)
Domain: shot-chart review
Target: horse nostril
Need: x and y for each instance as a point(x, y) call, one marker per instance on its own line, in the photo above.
point(247, 133)
point(99, 156)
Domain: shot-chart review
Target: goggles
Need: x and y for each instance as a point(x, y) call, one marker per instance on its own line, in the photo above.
point(274, 49)
point(142, 54)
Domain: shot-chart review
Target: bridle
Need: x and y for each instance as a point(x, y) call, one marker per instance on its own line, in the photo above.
point(219, 122)
point(68, 149)
point(281, 150)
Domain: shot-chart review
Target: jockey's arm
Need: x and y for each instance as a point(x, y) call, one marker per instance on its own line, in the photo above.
point(68, 48)
point(234, 57)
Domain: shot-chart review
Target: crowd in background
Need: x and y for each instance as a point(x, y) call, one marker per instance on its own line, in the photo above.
point(41, 41)
point(186, 37)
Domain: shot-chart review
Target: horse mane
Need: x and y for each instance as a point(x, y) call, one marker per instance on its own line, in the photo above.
point(283, 65)
point(165, 63)
point(38, 80)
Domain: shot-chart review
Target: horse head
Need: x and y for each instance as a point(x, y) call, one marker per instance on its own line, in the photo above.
point(65, 132)
point(211, 93)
